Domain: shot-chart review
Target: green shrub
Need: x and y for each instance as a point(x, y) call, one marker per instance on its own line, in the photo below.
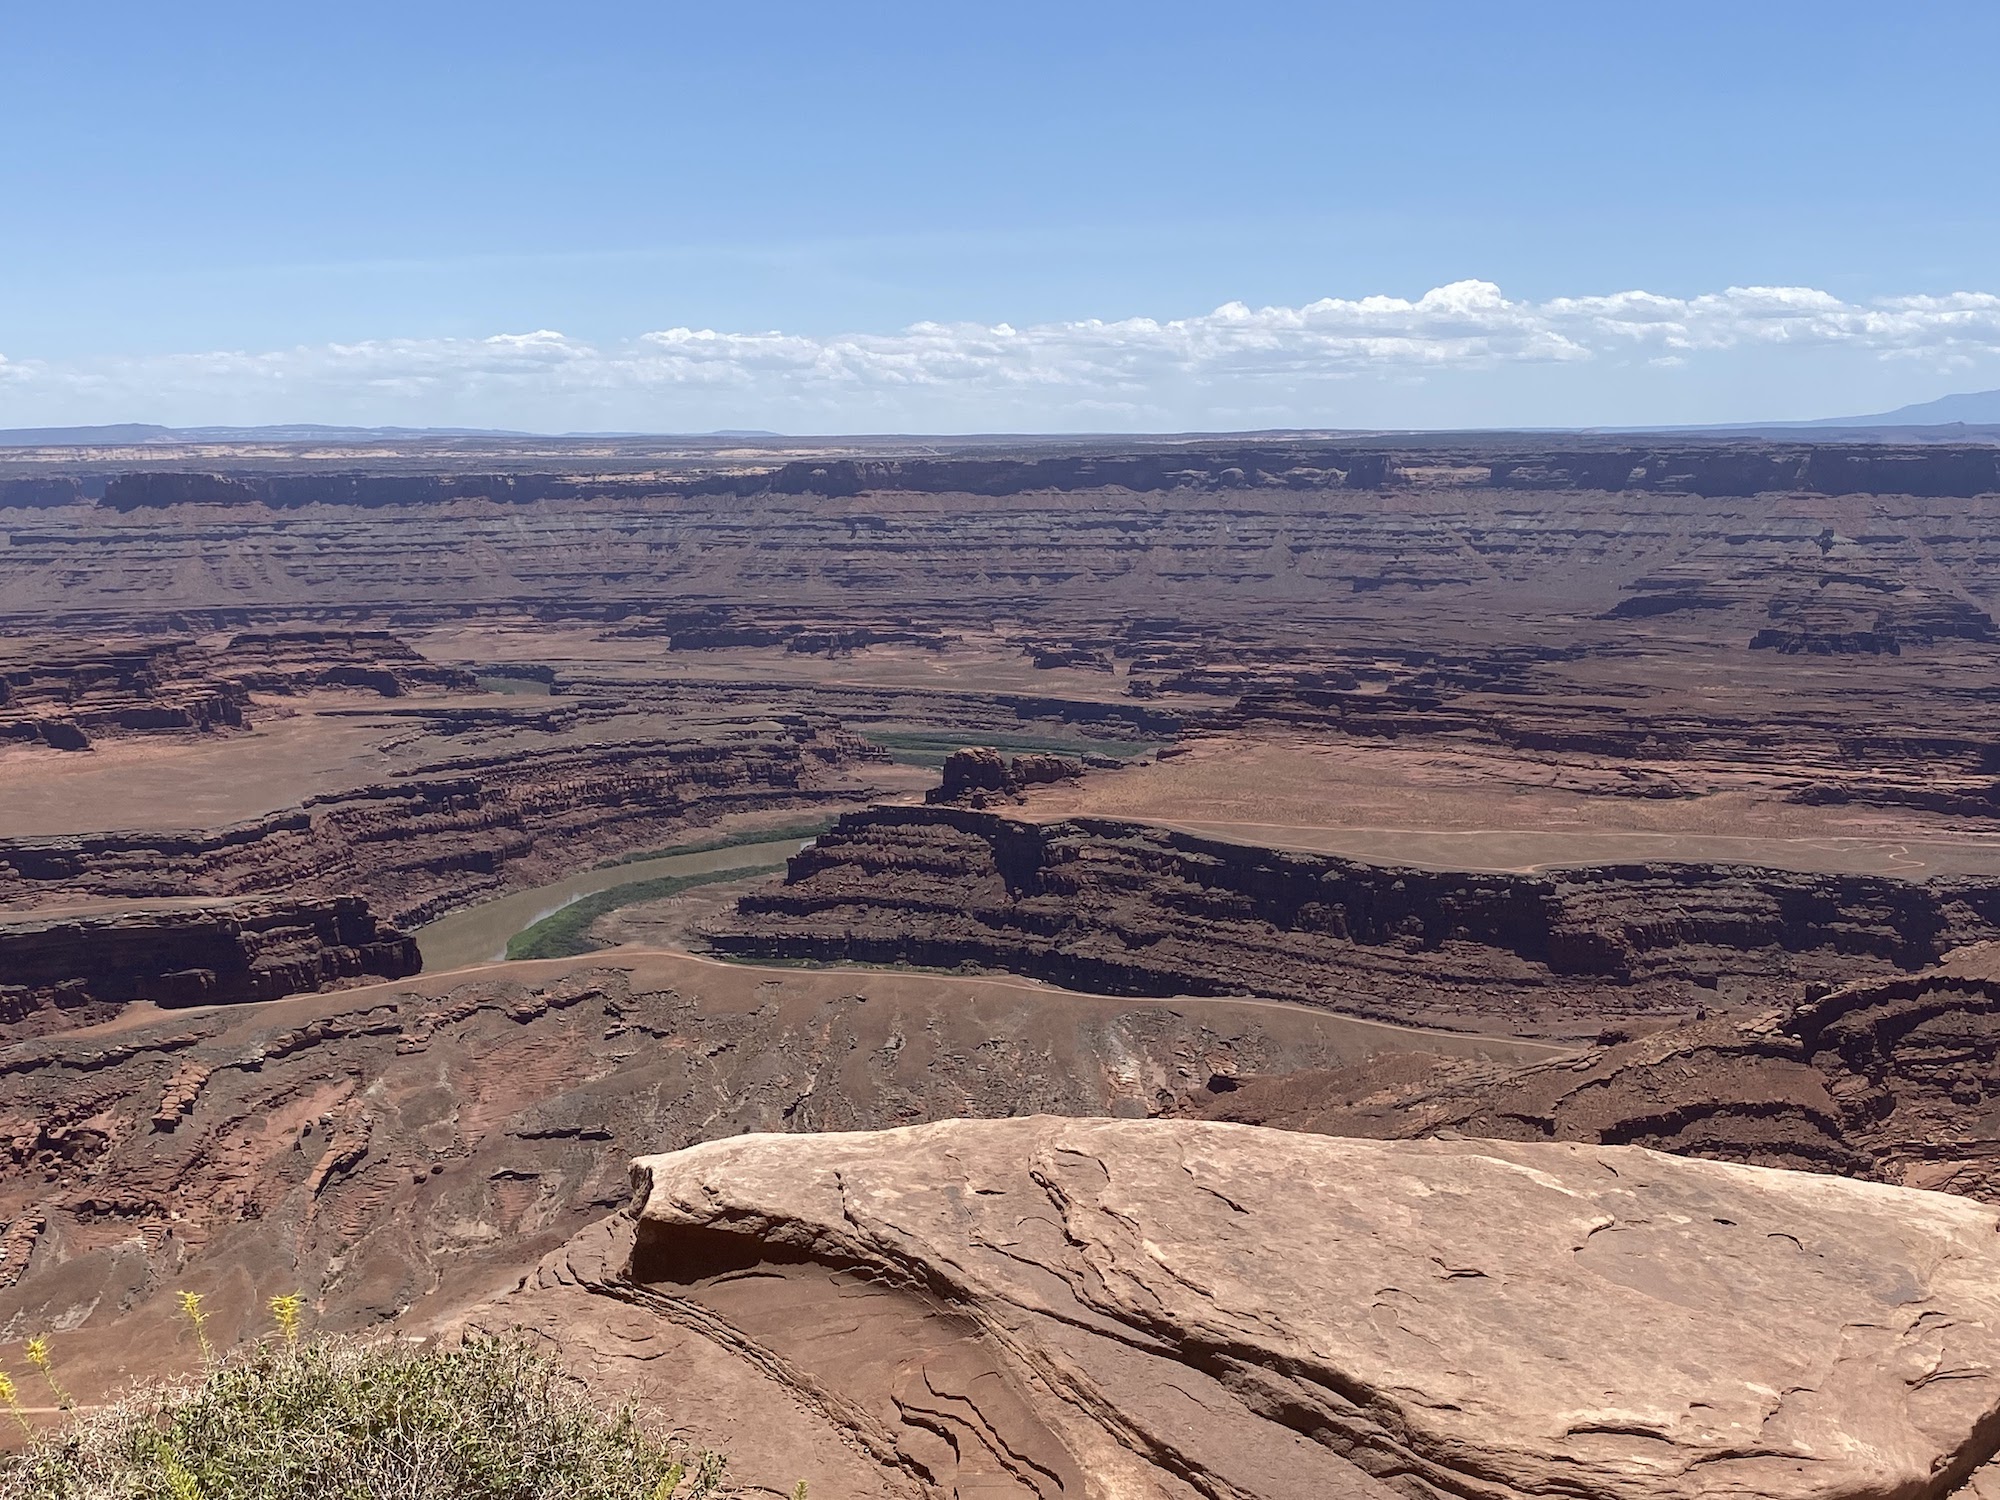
point(488, 1419)
point(812, 828)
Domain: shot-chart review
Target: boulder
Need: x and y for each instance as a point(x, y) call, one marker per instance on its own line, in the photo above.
point(1106, 1308)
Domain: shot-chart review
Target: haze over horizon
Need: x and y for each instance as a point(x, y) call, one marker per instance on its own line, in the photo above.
point(1129, 218)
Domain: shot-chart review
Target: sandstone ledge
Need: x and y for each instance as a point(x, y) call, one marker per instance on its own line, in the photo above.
point(1120, 1308)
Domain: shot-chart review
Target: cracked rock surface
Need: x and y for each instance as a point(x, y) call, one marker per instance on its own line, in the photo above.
point(1134, 1308)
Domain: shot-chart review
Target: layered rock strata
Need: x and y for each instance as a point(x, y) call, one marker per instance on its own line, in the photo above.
point(1594, 621)
point(41, 494)
point(1100, 1309)
point(1895, 1079)
point(863, 707)
point(305, 660)
point(1128, 908)
point(1814, 751)
point(1434, 566)
point(980, 775)
point(70, 970)
point(67, 692)
point(453, 830)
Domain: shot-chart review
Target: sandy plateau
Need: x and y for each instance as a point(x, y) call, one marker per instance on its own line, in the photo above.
point(1471, 810)
point(1228, 968)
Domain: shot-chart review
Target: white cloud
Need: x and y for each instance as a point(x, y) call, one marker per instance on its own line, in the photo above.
point(1306, 365)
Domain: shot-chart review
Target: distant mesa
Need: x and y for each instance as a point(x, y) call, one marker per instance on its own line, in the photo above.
point(134, 434)
point(126, 434)
point(1970, 408)
point(114, 435)
point(1967, 414)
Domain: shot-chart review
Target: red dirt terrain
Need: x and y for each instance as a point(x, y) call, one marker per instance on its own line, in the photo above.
point(415, 1142)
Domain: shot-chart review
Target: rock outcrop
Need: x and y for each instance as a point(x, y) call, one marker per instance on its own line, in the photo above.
point(66, 693)
point(1041, 1307)
point(981, 776)
point(305, 660)
point(1895, 1079)
point(40, 494)
point(75, 968)
point(1132, 909)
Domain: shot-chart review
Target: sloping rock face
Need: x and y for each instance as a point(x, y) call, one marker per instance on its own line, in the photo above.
point(1127, 908)
point(1894, 1079)
point(422, 1144)
point(293, 661)
point(58, 971)
point(1040, 1307)
point(1817, 749)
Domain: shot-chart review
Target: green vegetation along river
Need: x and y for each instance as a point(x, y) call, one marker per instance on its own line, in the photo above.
point(480, 934)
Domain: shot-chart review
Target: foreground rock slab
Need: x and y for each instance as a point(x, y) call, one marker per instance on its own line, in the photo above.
point(1138, 1308)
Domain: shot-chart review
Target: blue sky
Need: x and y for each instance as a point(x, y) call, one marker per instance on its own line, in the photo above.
point(499, 214)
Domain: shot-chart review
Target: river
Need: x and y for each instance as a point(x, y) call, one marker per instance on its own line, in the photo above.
point(479, 934)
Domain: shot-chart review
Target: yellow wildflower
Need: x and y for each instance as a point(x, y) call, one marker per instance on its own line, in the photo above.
point(38, 1356)
point(10, 1397)
point(191, 1306)
point(287, 1311)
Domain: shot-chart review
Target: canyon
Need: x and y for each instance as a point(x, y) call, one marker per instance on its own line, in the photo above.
point(1481, 828)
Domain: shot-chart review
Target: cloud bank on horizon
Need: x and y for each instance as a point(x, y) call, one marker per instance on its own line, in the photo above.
point(1460, 355)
